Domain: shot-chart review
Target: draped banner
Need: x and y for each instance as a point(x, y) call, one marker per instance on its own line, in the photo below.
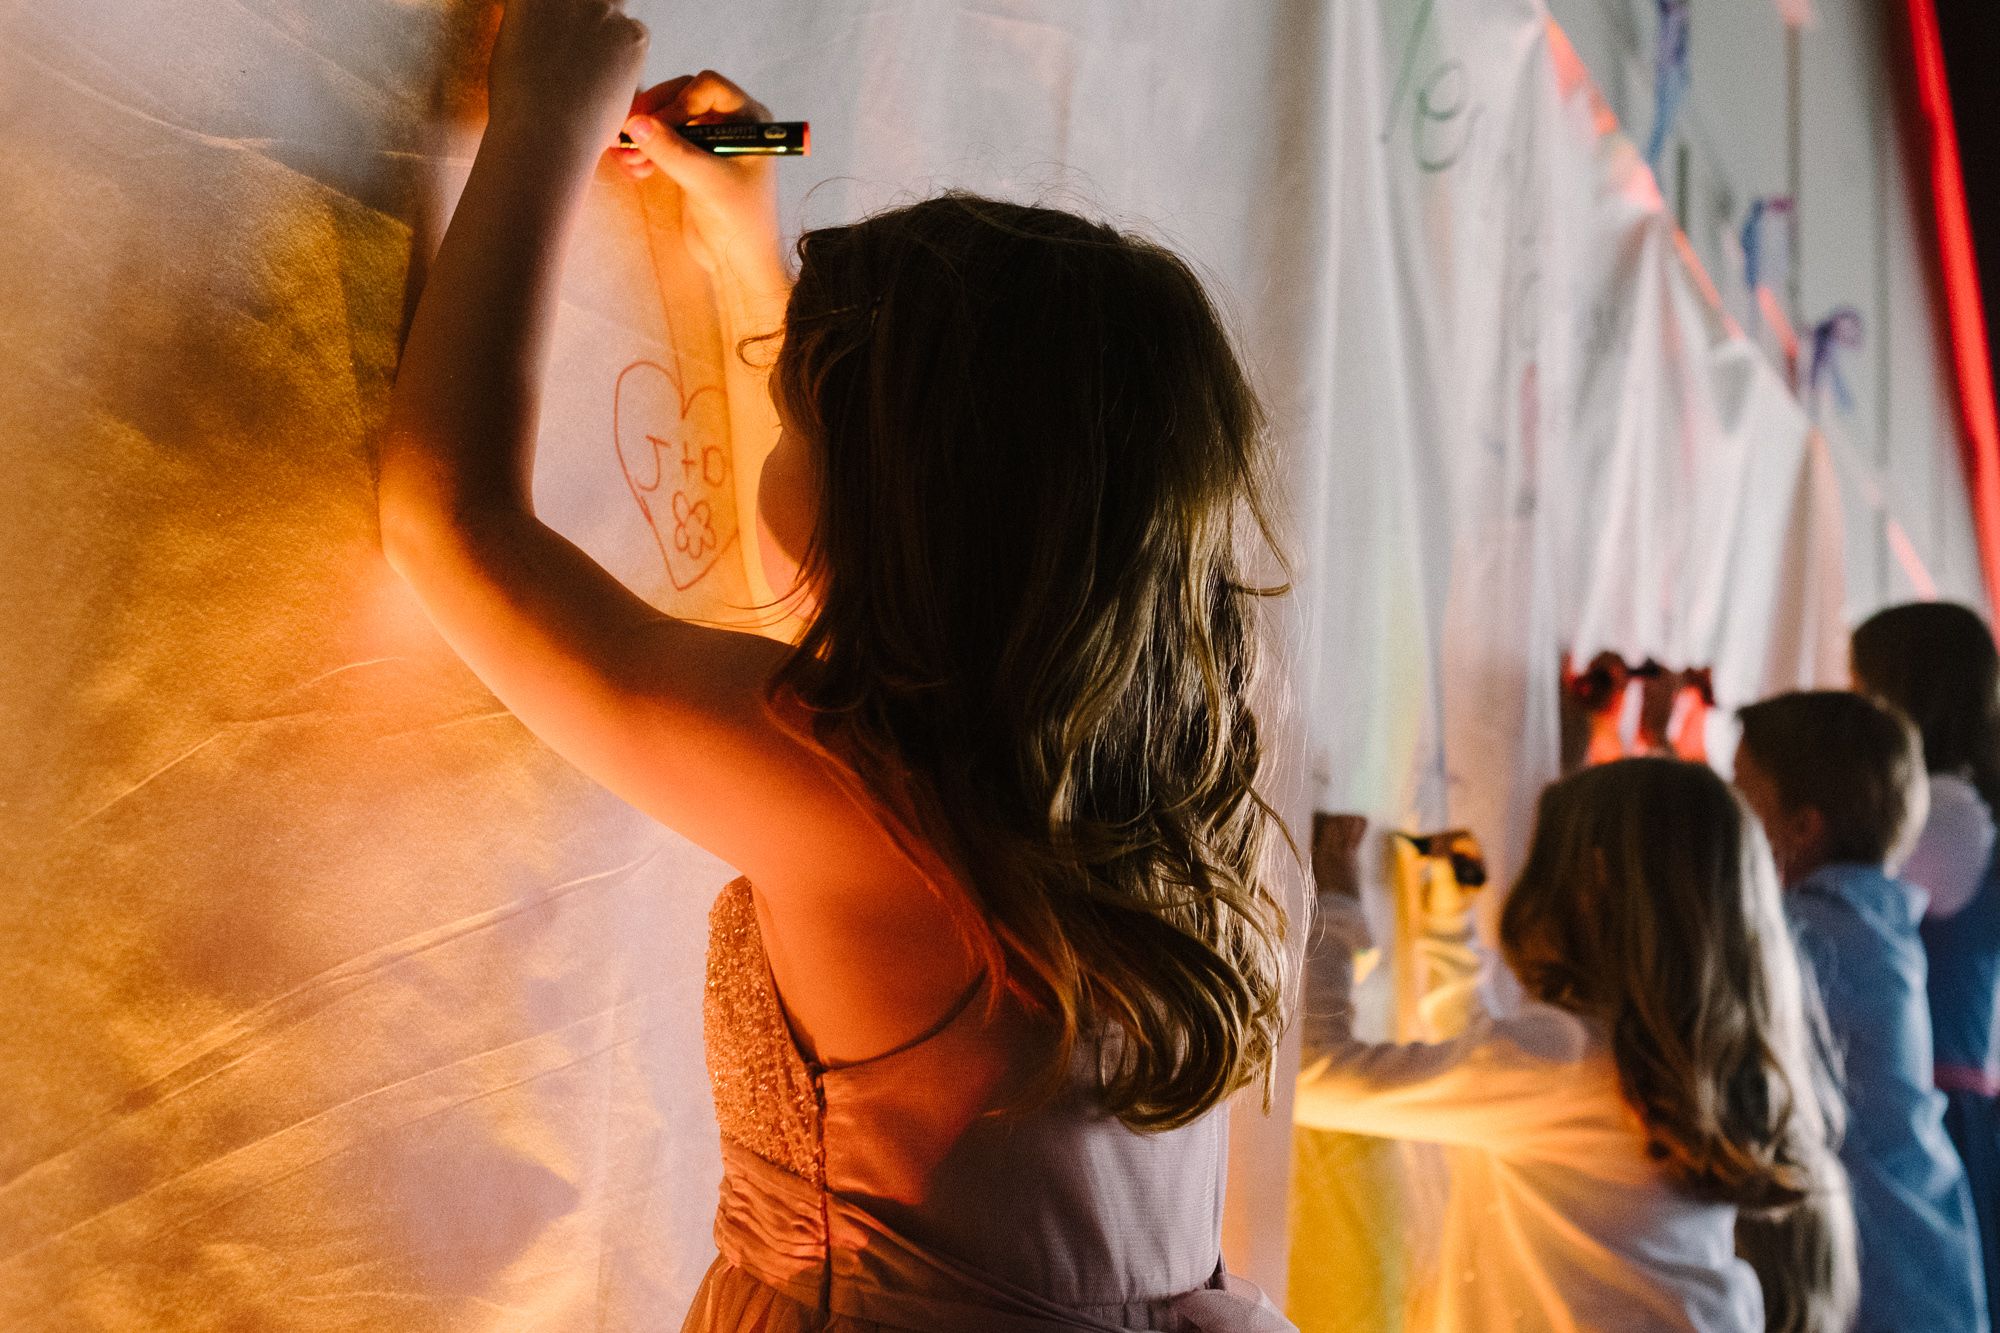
point(1553, 443)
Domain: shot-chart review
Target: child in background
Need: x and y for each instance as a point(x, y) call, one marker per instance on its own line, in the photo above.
point(1936, 662)
point(1659, 1079)
point(1836, 780)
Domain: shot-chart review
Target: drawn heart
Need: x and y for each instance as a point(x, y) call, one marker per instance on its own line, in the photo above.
point(673, 447)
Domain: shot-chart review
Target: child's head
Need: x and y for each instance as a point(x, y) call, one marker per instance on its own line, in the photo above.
point(1834, 777)
point(1007, 411)
point(1036, 459)
point(1649, 902)
point(1935, 661)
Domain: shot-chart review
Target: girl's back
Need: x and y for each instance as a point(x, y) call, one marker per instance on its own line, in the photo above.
point(887, 1190)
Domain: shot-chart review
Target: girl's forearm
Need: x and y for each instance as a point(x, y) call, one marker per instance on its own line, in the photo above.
point(751, 291)
point(461, 427)
point(752, 287)
point(750, 301)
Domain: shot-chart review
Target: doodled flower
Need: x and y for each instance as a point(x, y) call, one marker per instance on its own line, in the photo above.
point(694, 530)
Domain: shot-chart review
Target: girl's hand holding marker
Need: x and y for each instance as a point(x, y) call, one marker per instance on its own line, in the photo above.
point(753, 138)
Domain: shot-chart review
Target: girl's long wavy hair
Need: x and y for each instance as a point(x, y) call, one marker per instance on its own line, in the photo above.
point(1034, 640)
point(1649, 902)
point(1936, 662)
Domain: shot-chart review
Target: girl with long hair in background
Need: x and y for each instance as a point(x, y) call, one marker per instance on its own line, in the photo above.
point(1660, 1085)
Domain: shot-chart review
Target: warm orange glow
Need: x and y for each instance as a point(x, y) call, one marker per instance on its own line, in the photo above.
point(1774, 318)
point(1963, 307)
point(1613, 710)
point(1703, 284)
point(1687, 733)
point(1912, 564)
point(1572, 77)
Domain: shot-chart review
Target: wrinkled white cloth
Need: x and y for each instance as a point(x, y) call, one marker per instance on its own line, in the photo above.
point(332, 998)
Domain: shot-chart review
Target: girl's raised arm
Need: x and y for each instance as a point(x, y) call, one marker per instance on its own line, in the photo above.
point(668, 715)
point(1499, 1085)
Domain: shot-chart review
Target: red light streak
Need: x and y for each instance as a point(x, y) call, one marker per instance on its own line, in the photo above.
point(1963, 307)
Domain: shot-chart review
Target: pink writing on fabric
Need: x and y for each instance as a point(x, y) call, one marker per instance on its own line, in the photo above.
point(676, 473)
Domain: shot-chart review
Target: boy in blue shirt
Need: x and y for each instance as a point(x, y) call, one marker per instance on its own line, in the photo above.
point(1838, 782)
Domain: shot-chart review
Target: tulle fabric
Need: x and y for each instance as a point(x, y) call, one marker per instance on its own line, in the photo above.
point(731, 1299)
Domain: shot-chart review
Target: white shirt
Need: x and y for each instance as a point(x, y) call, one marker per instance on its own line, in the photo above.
point(1556, 1217)
point(1950, 856)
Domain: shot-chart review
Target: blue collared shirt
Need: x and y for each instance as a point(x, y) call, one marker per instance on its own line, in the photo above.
point(1920, 1263)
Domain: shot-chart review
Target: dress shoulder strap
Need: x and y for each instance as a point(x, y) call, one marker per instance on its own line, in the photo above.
point(950, 1016)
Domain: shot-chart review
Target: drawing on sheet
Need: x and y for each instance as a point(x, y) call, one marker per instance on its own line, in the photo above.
point(1434, 87)
point(671, 449)
point(670, 412)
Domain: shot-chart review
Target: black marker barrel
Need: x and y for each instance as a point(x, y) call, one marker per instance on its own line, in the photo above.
point(756, 138)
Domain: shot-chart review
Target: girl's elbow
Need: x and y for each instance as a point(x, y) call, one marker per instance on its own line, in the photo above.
point(419, 516)
point(423, 533)
point(408, 521)
point(1323, 1100)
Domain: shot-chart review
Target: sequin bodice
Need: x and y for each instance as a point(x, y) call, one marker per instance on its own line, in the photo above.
point(764, 1095)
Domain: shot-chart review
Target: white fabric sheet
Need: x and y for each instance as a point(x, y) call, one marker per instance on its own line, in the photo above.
point(1546, 437)
point(330, 998)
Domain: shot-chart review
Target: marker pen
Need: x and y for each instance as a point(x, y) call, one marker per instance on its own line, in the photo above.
point(755, 138)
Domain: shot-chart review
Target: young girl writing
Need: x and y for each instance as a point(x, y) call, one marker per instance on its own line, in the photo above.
point(1936, 662)
point(1005, 939)
point(1658, 1082)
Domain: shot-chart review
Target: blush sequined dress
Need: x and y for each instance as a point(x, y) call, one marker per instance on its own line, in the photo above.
point(856, 1198)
